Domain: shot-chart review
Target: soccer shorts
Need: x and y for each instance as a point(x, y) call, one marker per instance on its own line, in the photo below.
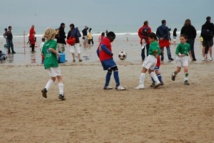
point(150, 62)
point(182, 61)
point(53, 72)
point(75, 48)
point(108, 64)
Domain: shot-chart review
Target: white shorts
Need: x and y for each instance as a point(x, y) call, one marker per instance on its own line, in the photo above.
point(53, 72)
point(181, 61)
point(150, 62)
point(75, 48)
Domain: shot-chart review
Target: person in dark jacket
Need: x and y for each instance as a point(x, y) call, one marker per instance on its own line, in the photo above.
point(61, 38)
point(10, 40)
point(163, 36)
point(207, 32)
point(174, 35)
point(189, 30)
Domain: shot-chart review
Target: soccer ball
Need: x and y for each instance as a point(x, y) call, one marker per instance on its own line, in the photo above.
point(122, 55)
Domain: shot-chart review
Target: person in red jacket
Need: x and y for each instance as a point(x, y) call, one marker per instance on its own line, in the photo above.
point(105, 55)
point(143, 33)
point(32, 42)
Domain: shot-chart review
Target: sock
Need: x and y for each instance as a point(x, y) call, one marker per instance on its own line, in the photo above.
point(116, 78)
point(61, 86)
point(48, 85)
point(186, 76)
point(142, 77)
point(159, 77)
point(108, 77)
point(152, 80)
point(154, 76)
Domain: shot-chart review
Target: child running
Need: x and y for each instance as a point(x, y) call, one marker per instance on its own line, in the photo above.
point(51, 63)
point(105, 54)
point(150, 62)
point(181, 52)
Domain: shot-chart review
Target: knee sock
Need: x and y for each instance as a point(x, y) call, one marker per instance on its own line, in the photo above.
point(61, 86)
point(186, 76)
point(142, 78)
point(48, 85)
point(154, 76)
point(108, 77)
point(152, 80)
point(159, 77)
point(116, 78)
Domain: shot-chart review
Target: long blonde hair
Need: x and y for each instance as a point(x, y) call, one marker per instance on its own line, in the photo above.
point(49, 33)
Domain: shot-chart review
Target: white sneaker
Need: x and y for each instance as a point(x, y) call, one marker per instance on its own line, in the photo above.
point(120, 88)
point(157, 85)
point(107, 88)
point(203, 59)
point(211, 59)
point(140, 86)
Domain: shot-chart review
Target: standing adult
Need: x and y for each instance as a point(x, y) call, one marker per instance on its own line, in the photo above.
point(189, 30)
point(174, 35)
point(74, 32)
point(5, 36)
point(143, 33)
point(207, 32)
point(32, 33)
point(61, 38)
point(10, 40)
point(163, 36)
point(84, 36)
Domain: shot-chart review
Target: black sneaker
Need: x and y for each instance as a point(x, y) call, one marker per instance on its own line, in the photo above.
point(173, 77)
point(161, 83)
point(44, 93)
point(13, 52)
point(152, 85)
point(171, 59)
point(186, 82)
point(61, 97)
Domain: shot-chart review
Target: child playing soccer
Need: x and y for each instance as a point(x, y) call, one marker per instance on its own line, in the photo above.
point(182, 51)
point(105, 54)
point(150, 62)
point(51, 63)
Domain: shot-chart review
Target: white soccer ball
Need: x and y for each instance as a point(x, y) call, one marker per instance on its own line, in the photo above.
point(122, 55)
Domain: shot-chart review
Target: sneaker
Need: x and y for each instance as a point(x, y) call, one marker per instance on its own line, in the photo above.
point(44, 93)
point(211, 59)
point(157, 85)
point(107, 88)
point(186, 82)
point(173, 77)
point(161, 83)
point(140, 86)
point(13, 52)
point(152, 85)
point(171, 59)
point(203, 59)
point(61, 97)
point(80, 60)
point(74, 61)
point(120, 88)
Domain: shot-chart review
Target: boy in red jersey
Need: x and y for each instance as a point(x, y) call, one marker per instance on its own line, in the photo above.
point(105, 54)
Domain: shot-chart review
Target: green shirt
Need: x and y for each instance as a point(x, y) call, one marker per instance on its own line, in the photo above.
point(182, 49)
point(50, 58)
point(154, 46)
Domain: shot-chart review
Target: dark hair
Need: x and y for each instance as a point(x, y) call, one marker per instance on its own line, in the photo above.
point(163, 21)
point(183, 35)
point(103, 33)
point(5, 29)
point(9, 27)
point(62, 24)
point(111, 34)
point(72, 25)
point(153, 36)
point(208, 18)
point(146, 22)
point(187, 22)
point(43, 39)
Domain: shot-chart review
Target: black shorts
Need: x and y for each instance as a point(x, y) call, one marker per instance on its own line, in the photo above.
point(208, 43)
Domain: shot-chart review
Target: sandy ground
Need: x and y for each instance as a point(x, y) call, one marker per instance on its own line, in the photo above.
point(174, 113)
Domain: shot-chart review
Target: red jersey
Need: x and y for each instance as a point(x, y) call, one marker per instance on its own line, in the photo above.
point(102, 54)
point(140, 34)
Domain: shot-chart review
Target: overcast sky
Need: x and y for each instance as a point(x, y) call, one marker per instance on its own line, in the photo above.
point(103, 13)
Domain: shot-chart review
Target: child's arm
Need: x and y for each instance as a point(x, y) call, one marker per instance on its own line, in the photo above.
point(104, 48)
point(54, 51)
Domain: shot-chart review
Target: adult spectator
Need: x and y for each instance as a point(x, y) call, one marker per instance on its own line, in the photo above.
point(143, 33)
point(10, 40)
point(207, 32)
point(84, 36)
point(189, 30)
point(163, 36)
point(61, 38)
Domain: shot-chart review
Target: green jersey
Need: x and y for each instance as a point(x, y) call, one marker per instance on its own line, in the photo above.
point(50, 58)
point(154, 46)
point(182, 49)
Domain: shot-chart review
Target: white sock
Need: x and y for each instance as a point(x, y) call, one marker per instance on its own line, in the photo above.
point(154, 76)
point(142, 78)
point(61, 86)
point(48, 85)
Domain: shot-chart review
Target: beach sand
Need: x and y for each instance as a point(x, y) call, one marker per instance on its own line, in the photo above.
point(173, 113)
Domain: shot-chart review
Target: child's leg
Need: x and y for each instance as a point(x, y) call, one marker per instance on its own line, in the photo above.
point(108, 77)
point(116, 76)
point(186, 74)
point(49, 83)
point(175, 73)
point(60, 85)
point(159, 75)
point(154, 76)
